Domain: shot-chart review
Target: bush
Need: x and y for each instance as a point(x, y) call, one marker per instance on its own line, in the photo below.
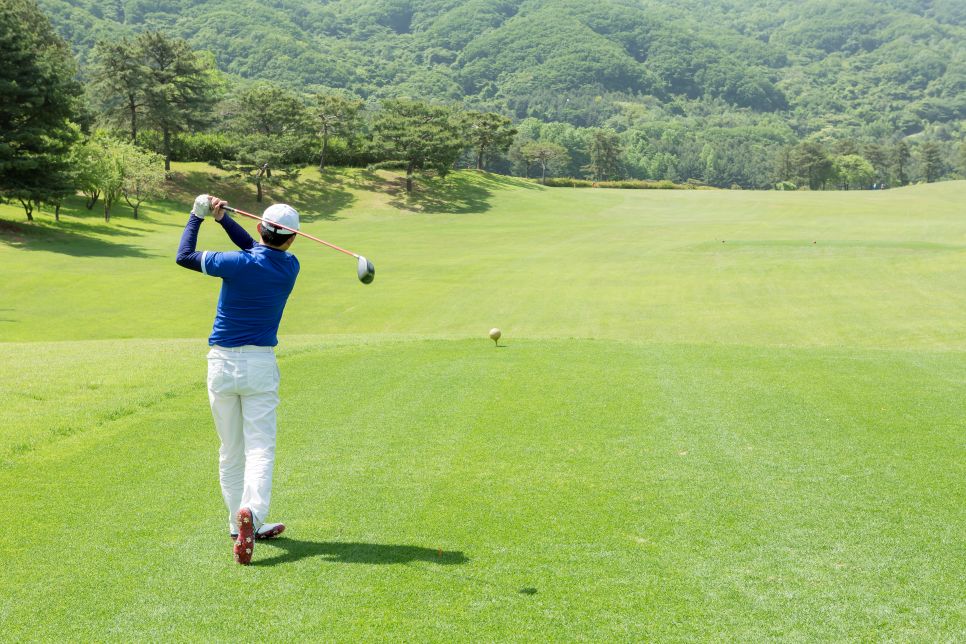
point(208, 147)
point(388, 165)
point(564, 182)
point(191, 146)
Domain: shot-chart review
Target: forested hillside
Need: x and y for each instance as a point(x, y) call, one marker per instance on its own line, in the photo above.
point(718, 91)
point(876, 67)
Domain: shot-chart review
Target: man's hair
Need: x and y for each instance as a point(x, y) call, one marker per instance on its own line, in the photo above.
point(274, 239)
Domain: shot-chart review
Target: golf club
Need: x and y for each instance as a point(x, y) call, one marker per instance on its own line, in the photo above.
point(365, 268)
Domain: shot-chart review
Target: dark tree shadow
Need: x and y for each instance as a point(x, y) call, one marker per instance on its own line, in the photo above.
point(318, 201)
point(466, 192)
point(357, 553)
point(68, 239)
point(438, 195)
point(314, 199)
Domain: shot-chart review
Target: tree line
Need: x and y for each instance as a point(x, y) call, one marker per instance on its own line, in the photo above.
point(149, 99)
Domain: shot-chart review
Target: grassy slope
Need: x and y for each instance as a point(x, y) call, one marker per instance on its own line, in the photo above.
point(764, 440)
point(544, 263)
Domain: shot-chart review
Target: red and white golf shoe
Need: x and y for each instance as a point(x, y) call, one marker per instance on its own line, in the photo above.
point(245, 543)
point(267, 531)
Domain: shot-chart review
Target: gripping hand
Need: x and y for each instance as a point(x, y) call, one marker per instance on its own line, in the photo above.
point(202, 207)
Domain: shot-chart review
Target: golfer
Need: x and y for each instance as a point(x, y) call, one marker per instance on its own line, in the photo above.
point(242, 373)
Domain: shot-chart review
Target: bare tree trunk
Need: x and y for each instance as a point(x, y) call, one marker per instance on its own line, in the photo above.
point(167, 149)
point(132, 105)
point(57, 212)
point(409, 176)
point(325, 144)
point(264, 170)
point(92, 199)
point(543, 176)
point(28, 208)
point(479, 159)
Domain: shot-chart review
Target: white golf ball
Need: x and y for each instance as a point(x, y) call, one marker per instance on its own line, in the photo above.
point(495, 334)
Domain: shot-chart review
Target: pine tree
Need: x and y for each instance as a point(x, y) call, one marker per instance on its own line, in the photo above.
point(901, 157)
point(335, 114)
point(550, 156)
point(489, 132)
point(181, 89)
point(606, 155)
point(421, 134)
point(931, 158)
point(37, 100)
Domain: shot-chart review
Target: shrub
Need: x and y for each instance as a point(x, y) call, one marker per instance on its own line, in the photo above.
point(208, 147)
point(191, 146)
point(388, 165)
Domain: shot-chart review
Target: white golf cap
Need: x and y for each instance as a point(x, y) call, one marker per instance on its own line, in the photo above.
point(280, 213)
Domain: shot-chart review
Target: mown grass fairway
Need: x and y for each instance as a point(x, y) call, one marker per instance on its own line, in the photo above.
point(717, 416)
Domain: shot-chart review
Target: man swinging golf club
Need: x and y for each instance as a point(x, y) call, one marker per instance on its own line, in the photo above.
point(243, 376)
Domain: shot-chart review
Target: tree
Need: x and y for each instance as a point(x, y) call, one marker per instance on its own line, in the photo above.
point(784, 167)
point(143, 175)
point(853, 170)
point(258, 156)
point(37, 100)
point(901, 157)
point(181, 87)
point(489, 132)
point(606, 155)
point(86, 159)
point(812, 163)
point(334, 114)
point(271, 125)
point(271, 110)
point(121, 82)
point(105, 172)
point(931, 159)
point(421, 134)
point(878, 157)
point(550, 156)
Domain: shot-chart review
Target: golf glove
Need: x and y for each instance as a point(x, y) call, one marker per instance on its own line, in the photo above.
point(202, 207)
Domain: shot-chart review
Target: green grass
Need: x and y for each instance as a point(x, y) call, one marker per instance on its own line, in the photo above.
point(702, 425)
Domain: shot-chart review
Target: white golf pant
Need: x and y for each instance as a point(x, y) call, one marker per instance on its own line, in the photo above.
point(243, 392)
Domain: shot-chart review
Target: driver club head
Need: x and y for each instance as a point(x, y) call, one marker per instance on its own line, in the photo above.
point(366, 270)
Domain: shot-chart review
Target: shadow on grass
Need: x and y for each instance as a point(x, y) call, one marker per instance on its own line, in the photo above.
point(68, 239)
point(358, 553)
point(317, 201)
point(466, 192)
point(314, 199)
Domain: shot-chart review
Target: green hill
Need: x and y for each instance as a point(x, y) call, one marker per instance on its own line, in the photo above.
point(859, 67)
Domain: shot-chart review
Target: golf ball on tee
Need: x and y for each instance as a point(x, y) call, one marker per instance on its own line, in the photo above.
point(495, 334)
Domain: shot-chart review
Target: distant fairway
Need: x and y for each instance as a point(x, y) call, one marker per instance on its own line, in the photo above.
point(717, 416)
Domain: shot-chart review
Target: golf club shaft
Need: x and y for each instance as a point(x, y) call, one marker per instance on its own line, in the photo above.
point(297, 232)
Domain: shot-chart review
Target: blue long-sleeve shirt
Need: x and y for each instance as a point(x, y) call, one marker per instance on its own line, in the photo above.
point(256, 283)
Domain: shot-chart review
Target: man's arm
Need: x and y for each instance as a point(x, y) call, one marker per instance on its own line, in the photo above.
point(238, 235)
point(204, 205)
point(188, 257)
